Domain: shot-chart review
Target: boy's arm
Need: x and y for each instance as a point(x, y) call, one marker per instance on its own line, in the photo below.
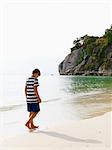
point(37, 94)
point(25, 90)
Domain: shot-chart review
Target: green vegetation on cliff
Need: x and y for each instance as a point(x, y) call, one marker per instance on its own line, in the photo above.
point(89, 56)
point(95, 47)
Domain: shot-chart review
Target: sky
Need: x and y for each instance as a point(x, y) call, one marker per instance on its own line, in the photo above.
point(39, 34)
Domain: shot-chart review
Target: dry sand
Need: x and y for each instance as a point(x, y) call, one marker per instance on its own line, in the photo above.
point(88, 134)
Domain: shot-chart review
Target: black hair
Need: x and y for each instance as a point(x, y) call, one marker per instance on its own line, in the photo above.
point(36, 71)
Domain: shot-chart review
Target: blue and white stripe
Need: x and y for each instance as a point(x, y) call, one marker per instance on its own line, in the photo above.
point(31, 96)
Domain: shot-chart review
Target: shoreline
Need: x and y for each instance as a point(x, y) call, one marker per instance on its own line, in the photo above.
point(88, 134)
point(10, 107)
point(62, 131)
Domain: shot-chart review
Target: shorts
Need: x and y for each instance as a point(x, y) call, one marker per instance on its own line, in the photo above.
point(33, 107)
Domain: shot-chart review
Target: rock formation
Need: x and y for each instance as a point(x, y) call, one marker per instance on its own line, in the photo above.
point(90, 56)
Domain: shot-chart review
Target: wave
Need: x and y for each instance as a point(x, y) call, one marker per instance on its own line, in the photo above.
point(16, 106)
point(52, 100)
point(10, 107)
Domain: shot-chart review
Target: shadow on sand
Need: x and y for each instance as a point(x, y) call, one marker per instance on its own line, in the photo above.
point(68, 138)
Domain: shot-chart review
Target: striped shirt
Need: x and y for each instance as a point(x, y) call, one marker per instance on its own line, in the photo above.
point(31, 96)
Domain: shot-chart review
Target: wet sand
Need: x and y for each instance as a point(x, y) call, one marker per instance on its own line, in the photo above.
point(91, 132)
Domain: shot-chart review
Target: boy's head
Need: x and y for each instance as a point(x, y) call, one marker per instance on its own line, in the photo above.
point(36, 73)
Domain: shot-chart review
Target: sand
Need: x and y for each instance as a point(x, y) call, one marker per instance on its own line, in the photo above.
point(87, 134)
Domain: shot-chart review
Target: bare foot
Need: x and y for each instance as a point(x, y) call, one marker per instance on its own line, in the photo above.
point(34, 127)
point(27, 125)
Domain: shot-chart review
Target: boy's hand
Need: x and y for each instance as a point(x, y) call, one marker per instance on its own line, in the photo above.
point(39, 100)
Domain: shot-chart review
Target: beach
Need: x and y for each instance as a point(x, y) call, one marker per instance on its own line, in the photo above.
point(75, 114)
point(57, 54)
point(88, 134)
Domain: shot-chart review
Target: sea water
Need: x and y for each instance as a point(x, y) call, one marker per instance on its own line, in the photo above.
point(64, 98)
point(52, 88)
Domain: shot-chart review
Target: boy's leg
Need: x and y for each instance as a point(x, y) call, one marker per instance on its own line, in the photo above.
point(32, 124)
point(29, 117)
point(32, 116)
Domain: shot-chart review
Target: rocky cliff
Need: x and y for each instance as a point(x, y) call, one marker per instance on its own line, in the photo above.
point(89, 56)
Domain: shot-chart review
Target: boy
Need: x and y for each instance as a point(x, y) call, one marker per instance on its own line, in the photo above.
point(32, 97)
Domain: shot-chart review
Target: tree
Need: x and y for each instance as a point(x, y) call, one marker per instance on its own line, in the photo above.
point(108, 35)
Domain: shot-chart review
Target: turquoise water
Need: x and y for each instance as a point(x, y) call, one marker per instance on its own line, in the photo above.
point(87, 83)
point(64, 98)
point(53, 89)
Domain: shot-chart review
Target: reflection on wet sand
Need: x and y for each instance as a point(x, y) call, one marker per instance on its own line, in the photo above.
point(90, 106)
